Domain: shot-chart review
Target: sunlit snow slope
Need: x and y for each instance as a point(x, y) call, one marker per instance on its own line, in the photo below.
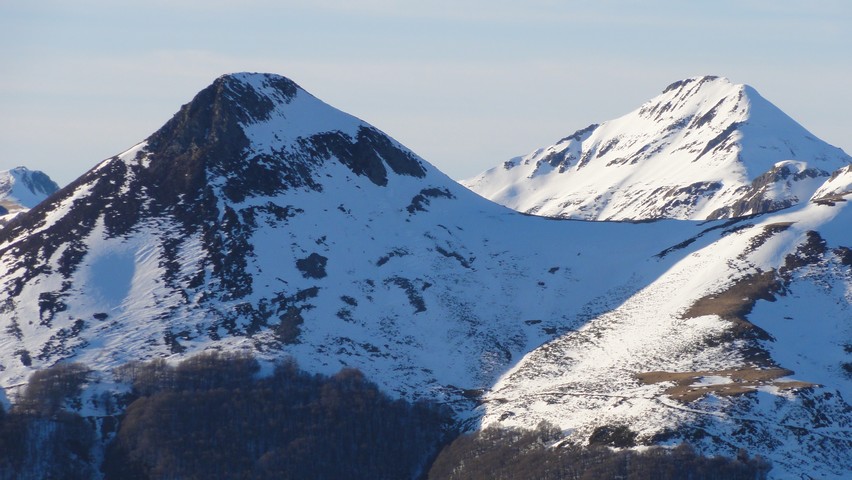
point(703, 149)
point(746, 340)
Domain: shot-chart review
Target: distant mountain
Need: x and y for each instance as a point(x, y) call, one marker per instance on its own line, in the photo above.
point(259, 219)
point(22, 189)
point(704, 149)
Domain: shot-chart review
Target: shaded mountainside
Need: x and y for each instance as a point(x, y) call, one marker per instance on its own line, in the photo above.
point(261, 220)
point(211, 416)
point(703, 149)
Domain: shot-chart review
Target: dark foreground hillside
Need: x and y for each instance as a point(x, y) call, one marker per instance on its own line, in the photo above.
point(526, 454)
point(211, 417)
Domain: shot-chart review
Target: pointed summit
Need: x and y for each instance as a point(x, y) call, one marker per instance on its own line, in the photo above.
point(222, 224)
point(213, 175)
point(245, 135)
point(262, 134)
point(27, 187)
point(705, 148)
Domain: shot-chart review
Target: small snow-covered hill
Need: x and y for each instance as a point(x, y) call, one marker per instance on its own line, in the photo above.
point(703, 149)
point(22, 189)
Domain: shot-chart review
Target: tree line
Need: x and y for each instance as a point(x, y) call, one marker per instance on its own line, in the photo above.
point(212, 417)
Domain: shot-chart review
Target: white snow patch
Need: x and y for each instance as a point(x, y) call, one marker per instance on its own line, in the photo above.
point(710, 380)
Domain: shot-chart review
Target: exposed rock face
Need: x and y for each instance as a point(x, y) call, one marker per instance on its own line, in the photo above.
point(703, 149)
point(786, 184)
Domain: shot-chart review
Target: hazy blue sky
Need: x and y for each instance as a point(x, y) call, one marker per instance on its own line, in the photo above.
point(465, 84)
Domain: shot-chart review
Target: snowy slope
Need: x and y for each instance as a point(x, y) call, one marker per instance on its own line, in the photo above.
point(261, 219)
point(759, 305)
point(703, 149)
point(22, 189)
point(836, 188)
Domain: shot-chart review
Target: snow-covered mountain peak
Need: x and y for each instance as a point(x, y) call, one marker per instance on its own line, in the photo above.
point(702, 149)
point(262, 133)
point(263, 98)
point(22, 189)
point(25, 187)
point(700, 97)
point(234, 211)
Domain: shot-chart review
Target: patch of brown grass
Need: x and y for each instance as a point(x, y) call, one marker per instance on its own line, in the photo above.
point(738, 300)
point(768, 232)
point(743, 380)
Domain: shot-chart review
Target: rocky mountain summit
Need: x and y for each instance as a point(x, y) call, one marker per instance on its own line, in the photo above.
point(703, 149)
